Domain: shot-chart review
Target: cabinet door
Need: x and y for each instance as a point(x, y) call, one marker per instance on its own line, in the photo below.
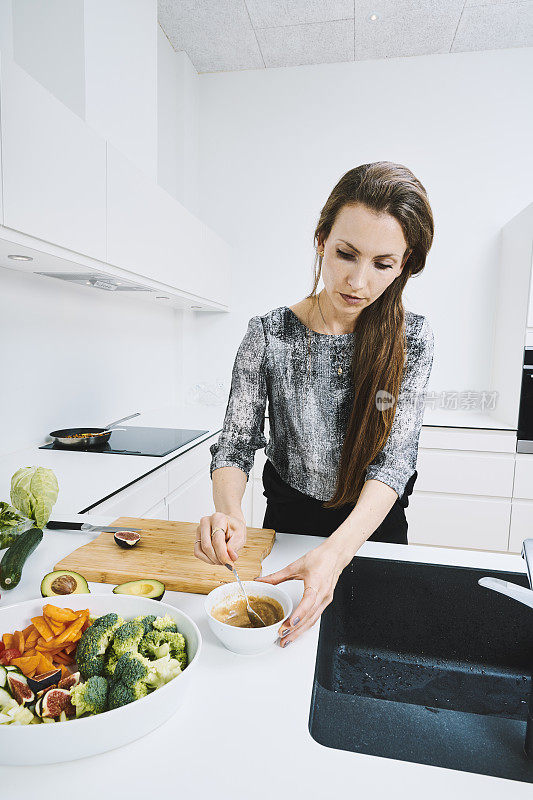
point(159, 511)
point(458, 521)
point(152, 234)
point(521, 524)
point(192, 500)
point(136, 500)
point(523, 479)
point(53, 167)
point(247, 503)
point(456, 472)
point(215, 272)
point(259, 504)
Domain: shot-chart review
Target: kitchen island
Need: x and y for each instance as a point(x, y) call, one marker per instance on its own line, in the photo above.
point(243, 731)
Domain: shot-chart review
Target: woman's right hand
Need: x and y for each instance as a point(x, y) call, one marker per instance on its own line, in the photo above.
point(219, 538)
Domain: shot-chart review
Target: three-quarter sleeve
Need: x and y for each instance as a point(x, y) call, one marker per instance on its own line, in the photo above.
point(244, 422)
point(396, 462)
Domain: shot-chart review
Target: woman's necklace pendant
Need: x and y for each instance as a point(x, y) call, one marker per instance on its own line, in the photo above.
point(339, 371)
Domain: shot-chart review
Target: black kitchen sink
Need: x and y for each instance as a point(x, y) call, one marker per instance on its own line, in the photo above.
point(417, 662)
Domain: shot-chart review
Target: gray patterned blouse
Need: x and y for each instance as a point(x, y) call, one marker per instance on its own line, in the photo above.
point(309, 409)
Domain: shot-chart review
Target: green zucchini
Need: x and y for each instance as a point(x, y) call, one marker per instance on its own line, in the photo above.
point(15, 557)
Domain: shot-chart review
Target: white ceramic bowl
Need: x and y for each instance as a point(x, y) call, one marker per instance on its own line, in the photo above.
point(246, 641)
point(77, 738)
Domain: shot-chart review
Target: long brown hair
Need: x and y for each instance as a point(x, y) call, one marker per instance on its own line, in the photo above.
point(378, 360)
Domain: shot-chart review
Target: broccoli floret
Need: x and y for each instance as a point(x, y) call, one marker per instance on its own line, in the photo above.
point(165, 623)
point(120, 695)
point(110, 662)
point(162, 671)
point(93, 644)
point(129, 680)
point(158, 644)
point(126, 638)
point(90, 697)
point(146, 621)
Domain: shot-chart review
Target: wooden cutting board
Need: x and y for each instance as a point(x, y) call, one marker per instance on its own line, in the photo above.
point(165, 552)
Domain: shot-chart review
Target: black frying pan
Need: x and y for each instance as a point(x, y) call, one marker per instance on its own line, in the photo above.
point(78, 438)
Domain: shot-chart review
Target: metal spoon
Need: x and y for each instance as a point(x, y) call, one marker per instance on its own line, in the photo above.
point(249, 608)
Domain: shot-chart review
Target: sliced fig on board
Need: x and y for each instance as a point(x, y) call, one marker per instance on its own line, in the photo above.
point(127, 539)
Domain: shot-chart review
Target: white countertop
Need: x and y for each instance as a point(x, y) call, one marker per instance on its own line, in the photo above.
point(461, 418)
point(86, 478)
point(243, 731)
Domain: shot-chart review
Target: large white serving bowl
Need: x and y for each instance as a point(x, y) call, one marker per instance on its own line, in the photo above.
point(246, 641)
point(77, 738)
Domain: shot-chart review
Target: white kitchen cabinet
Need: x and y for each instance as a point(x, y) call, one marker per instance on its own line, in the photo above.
point(152, 234)
point(192, 500)
point(214, 278)
point(458, 521)
point(191, 487)
point(247, 505)
point(53, 167)
point(476, 440)
point(455, 472)
point(2, 69)
point(137, 499)
point(159, 511)
point(259, 504)
point(521, 524)
point(188, 464)
point(463, 492)
point(523, 481)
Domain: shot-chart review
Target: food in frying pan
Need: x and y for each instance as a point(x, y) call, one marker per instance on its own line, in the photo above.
point(83, 435)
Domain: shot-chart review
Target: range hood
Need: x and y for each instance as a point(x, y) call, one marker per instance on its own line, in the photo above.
point(97, 281)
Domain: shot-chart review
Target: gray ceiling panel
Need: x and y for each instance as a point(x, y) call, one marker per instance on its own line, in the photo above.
point(405, 27)
point(316, 43)
point(225, 35)
point(294, 12)
point(495, 26)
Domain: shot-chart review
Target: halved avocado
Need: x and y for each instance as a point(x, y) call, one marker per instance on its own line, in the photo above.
point(144, 587)
point(61, 583)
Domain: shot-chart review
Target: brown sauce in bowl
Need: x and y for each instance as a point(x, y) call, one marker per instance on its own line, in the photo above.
point(233, 611)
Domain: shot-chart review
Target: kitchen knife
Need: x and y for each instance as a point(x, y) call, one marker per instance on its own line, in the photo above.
point(84, 526)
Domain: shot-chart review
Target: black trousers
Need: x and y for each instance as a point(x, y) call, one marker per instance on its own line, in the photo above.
point(290, 511)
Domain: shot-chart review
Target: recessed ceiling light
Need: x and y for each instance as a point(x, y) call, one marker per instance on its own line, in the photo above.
point(21, 258)
point(161, 297)
point(373, 17)
point(195, 307)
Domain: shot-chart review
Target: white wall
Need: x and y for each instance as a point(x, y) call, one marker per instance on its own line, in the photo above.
point(121, 76)
point(48, 42)
point(274, 142)
point(177, 118)
point(74, 356)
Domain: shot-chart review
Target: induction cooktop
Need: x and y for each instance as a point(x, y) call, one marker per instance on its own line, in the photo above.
point(137, 441)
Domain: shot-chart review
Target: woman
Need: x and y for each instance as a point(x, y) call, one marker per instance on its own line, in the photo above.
point(342, 452)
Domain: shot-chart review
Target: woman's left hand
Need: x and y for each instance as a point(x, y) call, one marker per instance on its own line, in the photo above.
point(319, 569)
